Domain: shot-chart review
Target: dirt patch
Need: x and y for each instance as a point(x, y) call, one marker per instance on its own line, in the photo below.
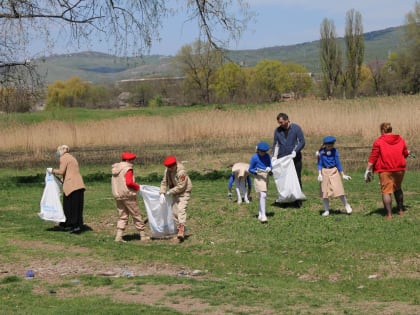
point(59, 276)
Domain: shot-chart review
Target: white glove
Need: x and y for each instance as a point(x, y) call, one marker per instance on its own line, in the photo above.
point(168, 193)
point(293, 154)
point(346, 177)
point(320, 178)
point(268, 169)
point(162, 199)
point(273, 159)
point(49, 170)
point(368, 176)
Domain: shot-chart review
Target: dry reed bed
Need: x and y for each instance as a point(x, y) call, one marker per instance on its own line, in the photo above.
point(355, 121)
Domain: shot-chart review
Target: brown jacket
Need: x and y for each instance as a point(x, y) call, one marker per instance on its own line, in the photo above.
point(69, 170)
point(177, 182)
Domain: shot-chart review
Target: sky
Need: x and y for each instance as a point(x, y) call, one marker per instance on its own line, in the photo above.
point(280, 22)
point(289, 22)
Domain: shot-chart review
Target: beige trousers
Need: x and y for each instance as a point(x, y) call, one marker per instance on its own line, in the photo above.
point(126, 208)
point(179, 208)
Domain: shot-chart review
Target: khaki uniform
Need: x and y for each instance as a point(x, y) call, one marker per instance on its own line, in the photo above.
point(125, 197)
point(179, 185)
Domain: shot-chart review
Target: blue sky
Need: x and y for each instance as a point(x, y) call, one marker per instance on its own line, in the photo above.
point(288, 22)
point(276, 23)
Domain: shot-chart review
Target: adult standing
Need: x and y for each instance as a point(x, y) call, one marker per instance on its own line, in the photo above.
point(177, 184)
point(73, 189)
point(388, 159)
point(289, 139)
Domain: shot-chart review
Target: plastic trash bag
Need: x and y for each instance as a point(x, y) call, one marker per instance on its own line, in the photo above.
point(51, 207)
point(286, 180)
point(160, 217)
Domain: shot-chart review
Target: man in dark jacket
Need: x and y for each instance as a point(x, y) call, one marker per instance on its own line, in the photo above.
point(289, 139)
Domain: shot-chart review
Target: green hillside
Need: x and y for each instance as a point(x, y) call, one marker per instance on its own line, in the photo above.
point(378, 45)
point(100, 67)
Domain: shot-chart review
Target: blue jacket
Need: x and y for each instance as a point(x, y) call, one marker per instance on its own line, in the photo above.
point(259, 163)
point(329, 159)
point(295, 141)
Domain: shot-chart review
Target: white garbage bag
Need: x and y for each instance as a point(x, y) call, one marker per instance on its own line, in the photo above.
point(51, 207)
point(160, 217)
point(286, 180)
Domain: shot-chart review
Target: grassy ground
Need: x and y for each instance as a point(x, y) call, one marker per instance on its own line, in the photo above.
point(299, 263)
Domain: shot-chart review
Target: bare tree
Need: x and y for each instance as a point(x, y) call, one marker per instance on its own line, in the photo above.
point(355, 49)
point(377, 75)
point(127, 26)
point(330, 55)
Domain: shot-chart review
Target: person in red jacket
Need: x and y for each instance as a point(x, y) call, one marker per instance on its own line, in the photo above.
point(124, 190)
point(388, 159)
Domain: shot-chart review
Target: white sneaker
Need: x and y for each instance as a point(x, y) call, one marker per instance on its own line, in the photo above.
point(326, 213)
point(263, 219)
point(259, 216)
point(348, 209)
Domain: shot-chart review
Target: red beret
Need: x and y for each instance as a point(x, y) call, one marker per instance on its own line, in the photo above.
point(169, 161)
point(128, 156)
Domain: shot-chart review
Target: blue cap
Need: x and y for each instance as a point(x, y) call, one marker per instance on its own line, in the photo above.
point(263, 146)
point(329, 139)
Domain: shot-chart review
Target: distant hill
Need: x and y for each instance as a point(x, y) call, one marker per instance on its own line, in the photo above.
point(101, 68)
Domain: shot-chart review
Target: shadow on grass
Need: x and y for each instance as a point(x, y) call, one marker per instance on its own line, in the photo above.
point(167, 238)
point(334, 212)
point(382, 212)
point(59, 228)
point(295, 204)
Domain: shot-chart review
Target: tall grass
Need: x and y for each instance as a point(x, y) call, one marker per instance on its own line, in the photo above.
point(357, 119)
point(206, 135)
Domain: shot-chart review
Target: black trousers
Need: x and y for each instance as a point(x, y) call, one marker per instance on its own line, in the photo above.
point(73, 208)
point(298, 167)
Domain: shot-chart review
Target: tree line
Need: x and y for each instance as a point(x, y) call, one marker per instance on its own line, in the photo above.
point(349, 77)
point(207, 75)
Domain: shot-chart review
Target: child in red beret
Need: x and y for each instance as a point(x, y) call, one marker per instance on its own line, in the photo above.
point(177, 184)
point(124, 190)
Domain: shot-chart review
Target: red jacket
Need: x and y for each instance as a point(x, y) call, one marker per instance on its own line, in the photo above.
point(388, 154)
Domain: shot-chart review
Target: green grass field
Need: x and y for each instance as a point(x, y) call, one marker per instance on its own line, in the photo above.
point(299, 263)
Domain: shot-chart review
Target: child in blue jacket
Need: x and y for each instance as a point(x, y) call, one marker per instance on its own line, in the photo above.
point(260, 166)
point(330, 175)
point(240, 176)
